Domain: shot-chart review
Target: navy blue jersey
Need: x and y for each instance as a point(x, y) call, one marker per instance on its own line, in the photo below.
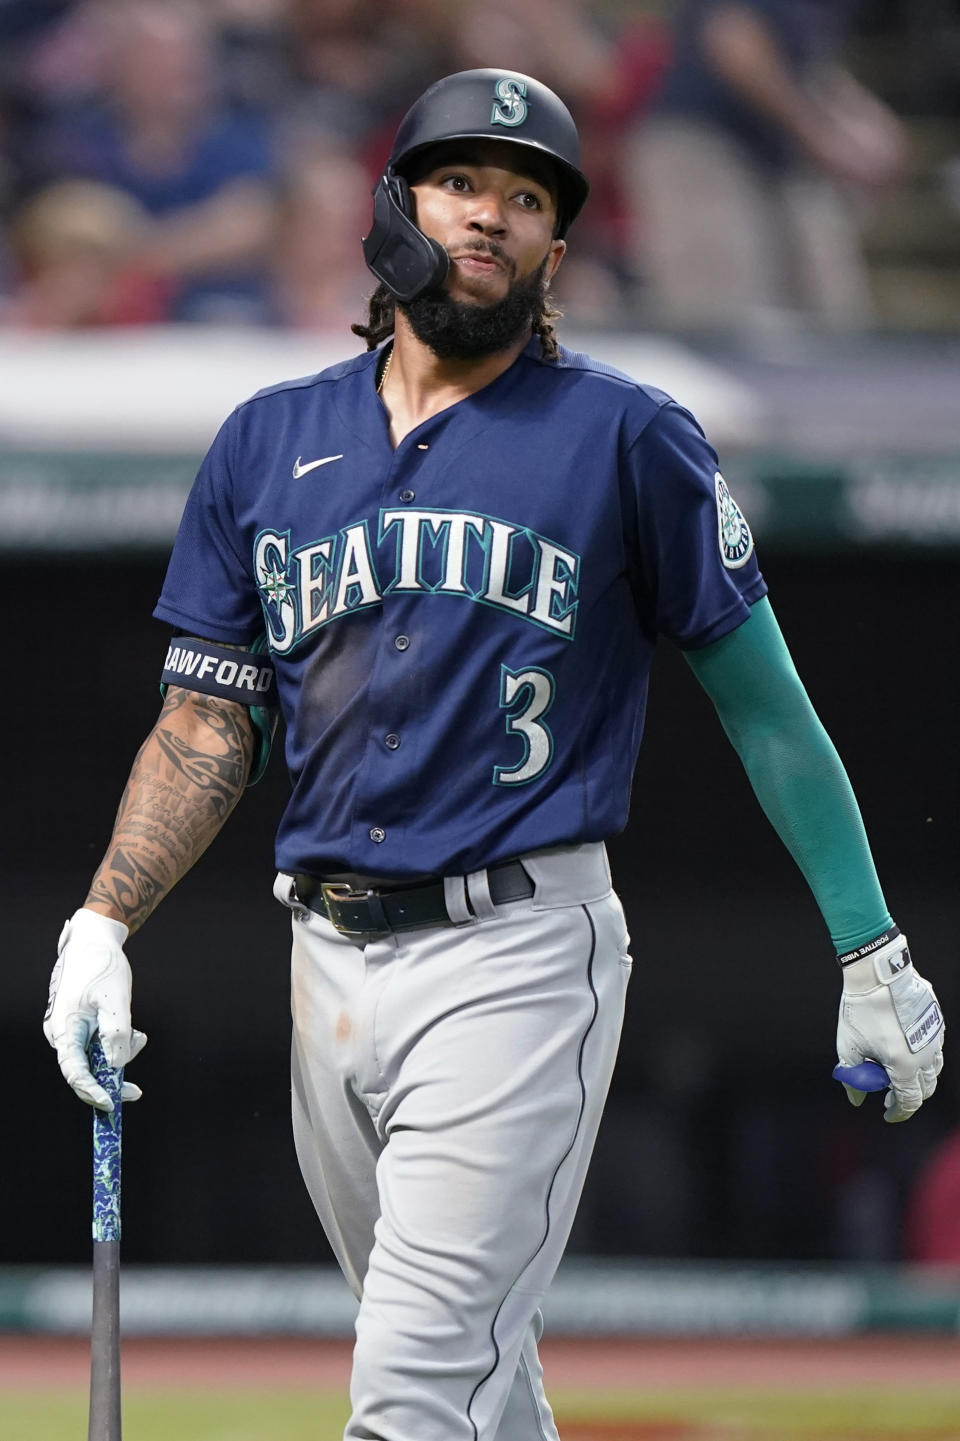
point(462, 627)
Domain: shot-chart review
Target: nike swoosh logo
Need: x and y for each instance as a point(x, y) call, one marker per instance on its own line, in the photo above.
point(299, 469)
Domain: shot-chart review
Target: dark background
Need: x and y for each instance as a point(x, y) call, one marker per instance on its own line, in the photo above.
point(724, 1135)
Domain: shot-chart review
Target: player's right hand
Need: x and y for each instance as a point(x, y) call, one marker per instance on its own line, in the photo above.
point(891, 1015)
point(90, 991)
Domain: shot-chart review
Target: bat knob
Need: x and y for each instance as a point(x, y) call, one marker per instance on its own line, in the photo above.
point(868, 1076)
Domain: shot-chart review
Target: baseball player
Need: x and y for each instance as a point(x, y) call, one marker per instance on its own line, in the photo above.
point(447, 561)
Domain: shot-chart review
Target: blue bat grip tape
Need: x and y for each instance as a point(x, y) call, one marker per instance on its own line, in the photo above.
point(106, 1149)
point(868, 1076)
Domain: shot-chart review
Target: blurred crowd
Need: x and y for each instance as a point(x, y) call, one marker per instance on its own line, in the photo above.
point(167, 161)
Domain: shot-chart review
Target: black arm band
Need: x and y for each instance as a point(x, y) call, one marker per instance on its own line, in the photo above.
point(237, 675)
point(868, 948)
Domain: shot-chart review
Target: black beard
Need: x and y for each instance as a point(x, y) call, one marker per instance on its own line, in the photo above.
point(459, 330)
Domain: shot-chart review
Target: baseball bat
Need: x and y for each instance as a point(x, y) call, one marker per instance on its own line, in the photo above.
point(105, 1420)
point(868, 1076)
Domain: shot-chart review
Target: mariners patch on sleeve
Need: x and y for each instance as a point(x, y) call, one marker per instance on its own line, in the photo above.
point(736, 542)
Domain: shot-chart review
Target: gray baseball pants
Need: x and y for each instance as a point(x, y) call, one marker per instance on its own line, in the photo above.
point(448, 1085)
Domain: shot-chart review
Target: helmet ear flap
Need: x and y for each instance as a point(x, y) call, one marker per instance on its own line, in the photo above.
point(400, 192)
point(398, 253)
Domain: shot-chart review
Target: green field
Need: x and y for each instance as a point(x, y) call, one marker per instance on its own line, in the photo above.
point(715, 1414)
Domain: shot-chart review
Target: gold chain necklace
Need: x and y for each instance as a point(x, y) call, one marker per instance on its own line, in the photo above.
point(386, 370)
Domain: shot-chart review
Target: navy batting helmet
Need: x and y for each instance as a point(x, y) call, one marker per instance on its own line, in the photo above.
point(471, 105)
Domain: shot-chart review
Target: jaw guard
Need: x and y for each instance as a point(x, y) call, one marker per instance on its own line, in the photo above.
point(398, 253)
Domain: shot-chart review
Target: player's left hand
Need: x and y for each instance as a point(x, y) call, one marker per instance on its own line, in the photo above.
point(891, 1015)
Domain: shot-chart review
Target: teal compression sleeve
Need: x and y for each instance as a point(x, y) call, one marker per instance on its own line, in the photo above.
point(795, 772)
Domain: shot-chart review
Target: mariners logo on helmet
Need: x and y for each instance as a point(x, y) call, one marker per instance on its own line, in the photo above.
point(510, 107)
point(736, 541)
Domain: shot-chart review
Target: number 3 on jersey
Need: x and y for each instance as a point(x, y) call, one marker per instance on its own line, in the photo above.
point(531, 692)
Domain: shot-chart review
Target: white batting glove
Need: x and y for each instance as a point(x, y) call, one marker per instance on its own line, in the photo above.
point(90, 991)
point(891, 1015)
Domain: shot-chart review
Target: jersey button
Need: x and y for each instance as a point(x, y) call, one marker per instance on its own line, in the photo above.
point(377, 834)
point(421, 446)
point(402, 642)
point(391, 741)
point(407, 495)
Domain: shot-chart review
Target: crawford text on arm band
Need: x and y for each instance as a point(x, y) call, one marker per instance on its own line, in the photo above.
point(868, 948)
point(236, 675)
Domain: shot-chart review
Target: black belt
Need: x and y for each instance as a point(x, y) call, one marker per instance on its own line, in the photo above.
point(381, 909)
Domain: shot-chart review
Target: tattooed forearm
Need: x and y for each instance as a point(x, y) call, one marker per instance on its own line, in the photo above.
point(222, 776)
point(187, 777)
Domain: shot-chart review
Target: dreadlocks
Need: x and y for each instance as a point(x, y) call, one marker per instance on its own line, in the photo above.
point(381, 310)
